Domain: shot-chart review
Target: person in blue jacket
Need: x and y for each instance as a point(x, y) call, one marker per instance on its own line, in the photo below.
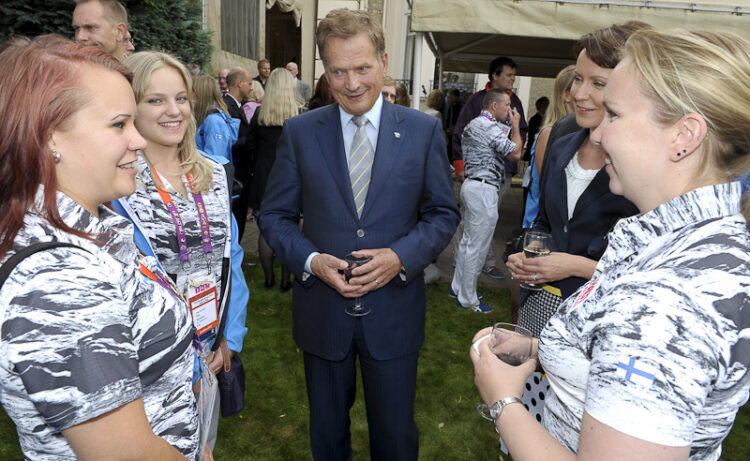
point(217, 131)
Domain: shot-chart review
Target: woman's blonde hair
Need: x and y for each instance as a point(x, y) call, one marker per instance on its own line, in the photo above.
point(705, 73)
point(207, 94)
point(280, 101)
point(258, 92)
point(557, 109)
point(143, 64)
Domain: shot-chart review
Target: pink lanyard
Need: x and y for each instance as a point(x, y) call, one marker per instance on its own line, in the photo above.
point(180, 227)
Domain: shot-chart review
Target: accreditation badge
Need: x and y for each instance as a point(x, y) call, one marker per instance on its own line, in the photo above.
point(203, 300)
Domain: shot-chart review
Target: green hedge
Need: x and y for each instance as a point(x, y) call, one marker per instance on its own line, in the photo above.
point(170, 25)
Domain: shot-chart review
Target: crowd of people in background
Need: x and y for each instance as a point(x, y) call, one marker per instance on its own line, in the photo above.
point(129, 186)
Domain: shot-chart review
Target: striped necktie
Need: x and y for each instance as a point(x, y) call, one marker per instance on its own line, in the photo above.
point(360, 163)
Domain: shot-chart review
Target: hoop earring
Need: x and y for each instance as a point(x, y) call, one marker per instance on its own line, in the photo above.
point(56, 156)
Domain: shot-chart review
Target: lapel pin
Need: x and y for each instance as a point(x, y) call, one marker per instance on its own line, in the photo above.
point(396, 134)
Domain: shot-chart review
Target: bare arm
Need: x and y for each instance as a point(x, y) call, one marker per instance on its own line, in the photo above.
point(121, 434)
point(541, 149)
point(515, 136)
point(526, 439)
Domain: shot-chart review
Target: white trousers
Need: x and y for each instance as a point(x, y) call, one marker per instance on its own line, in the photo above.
point(490, 259)
point(480, 217)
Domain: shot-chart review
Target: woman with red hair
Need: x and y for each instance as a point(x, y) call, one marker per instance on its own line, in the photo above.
point(96, 356)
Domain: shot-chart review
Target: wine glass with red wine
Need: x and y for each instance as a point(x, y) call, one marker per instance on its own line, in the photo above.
point(357, 310)
point(513, 345)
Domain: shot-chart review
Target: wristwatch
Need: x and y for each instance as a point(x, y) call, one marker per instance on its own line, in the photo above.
point(498, 406)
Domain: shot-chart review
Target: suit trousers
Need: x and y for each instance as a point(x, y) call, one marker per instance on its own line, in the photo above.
point(389, 388)
point(480, 217)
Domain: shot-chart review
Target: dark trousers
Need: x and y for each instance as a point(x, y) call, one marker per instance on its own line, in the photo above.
point(389, 387)
point(239, 210)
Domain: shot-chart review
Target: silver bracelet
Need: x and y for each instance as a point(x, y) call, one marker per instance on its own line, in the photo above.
point(497, 408)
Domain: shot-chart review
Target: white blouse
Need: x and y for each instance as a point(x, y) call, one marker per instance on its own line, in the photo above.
point(578, 179)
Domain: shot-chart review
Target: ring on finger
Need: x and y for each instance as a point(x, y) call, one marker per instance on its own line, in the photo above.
point(535, 277)
point(376, 282)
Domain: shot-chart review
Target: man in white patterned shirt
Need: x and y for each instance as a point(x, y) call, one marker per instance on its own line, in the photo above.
point(486, 143)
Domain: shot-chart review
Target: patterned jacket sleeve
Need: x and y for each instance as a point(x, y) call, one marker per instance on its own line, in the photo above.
point(67, 335)
point(655, 356)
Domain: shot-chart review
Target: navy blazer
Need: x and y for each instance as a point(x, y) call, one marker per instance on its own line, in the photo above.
point(595, 213)
point(410, 208)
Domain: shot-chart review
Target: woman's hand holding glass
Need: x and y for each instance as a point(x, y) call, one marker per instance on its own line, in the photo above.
point(494, 373)
point(551, 268)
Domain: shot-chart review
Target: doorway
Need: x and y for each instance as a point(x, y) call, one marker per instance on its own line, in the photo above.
point(283, 38)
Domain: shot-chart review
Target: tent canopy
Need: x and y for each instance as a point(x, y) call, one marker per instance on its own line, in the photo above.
point(539, 34)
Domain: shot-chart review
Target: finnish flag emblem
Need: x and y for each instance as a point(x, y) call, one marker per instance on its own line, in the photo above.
point(636, 372)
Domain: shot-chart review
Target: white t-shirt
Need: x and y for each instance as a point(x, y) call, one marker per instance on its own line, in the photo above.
point(655, 345)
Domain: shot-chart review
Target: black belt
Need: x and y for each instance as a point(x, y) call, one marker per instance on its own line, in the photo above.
point(484, 181)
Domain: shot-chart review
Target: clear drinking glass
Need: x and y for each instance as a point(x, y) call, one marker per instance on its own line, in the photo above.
point(535, 245)
point(513, 345)
point(357, 310)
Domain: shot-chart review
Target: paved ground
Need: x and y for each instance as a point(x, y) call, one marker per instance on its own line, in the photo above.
point(510, 218)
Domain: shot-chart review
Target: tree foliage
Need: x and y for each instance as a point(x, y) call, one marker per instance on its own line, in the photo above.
point(169, 25)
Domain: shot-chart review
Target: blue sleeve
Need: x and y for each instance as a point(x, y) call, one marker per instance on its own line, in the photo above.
point(216, 137)
point(438, 213)
point(196, 368)
point(235, 328)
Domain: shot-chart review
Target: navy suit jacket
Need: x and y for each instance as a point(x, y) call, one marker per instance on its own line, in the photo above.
point(595, 213)
point(410, 208)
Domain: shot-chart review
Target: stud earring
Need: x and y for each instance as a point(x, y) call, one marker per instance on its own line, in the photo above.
point(56, 156)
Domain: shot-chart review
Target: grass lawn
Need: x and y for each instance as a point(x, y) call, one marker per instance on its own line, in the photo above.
point(273, 425)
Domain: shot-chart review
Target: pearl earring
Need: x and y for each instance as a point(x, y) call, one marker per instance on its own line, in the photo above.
point(56, 156)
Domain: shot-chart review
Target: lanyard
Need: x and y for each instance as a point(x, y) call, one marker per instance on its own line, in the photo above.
point(167, 284)
point(488, 116)
point(180, 227)
point(162, 280)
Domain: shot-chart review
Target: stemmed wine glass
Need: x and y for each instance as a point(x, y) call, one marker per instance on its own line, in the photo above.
point(357, 310)
point(535, 245)
point(512, 344)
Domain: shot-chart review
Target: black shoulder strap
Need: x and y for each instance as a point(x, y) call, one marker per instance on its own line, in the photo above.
point(14, 260)
point(229, 170)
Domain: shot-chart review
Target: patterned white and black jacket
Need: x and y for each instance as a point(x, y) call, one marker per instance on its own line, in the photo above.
point(85, 332)
point(657, 344)
point(147, 210)
point(485, 145)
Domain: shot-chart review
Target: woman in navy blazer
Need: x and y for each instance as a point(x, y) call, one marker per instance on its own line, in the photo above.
point(576, 205)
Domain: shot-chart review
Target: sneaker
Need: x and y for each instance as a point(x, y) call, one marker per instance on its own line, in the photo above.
point(482, 308)
point(493, 272)
point(453, 294)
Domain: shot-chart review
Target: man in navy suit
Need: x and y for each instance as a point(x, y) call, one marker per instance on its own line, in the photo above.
point(403, 218)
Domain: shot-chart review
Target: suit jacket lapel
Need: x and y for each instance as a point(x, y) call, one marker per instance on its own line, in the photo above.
point(562, 163)
point(389, 146)
point(332, 149)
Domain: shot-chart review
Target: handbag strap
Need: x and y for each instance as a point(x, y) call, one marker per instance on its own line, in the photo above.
point(14, 260)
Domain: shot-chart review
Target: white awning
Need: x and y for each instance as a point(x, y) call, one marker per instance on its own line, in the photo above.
point(539, 34)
